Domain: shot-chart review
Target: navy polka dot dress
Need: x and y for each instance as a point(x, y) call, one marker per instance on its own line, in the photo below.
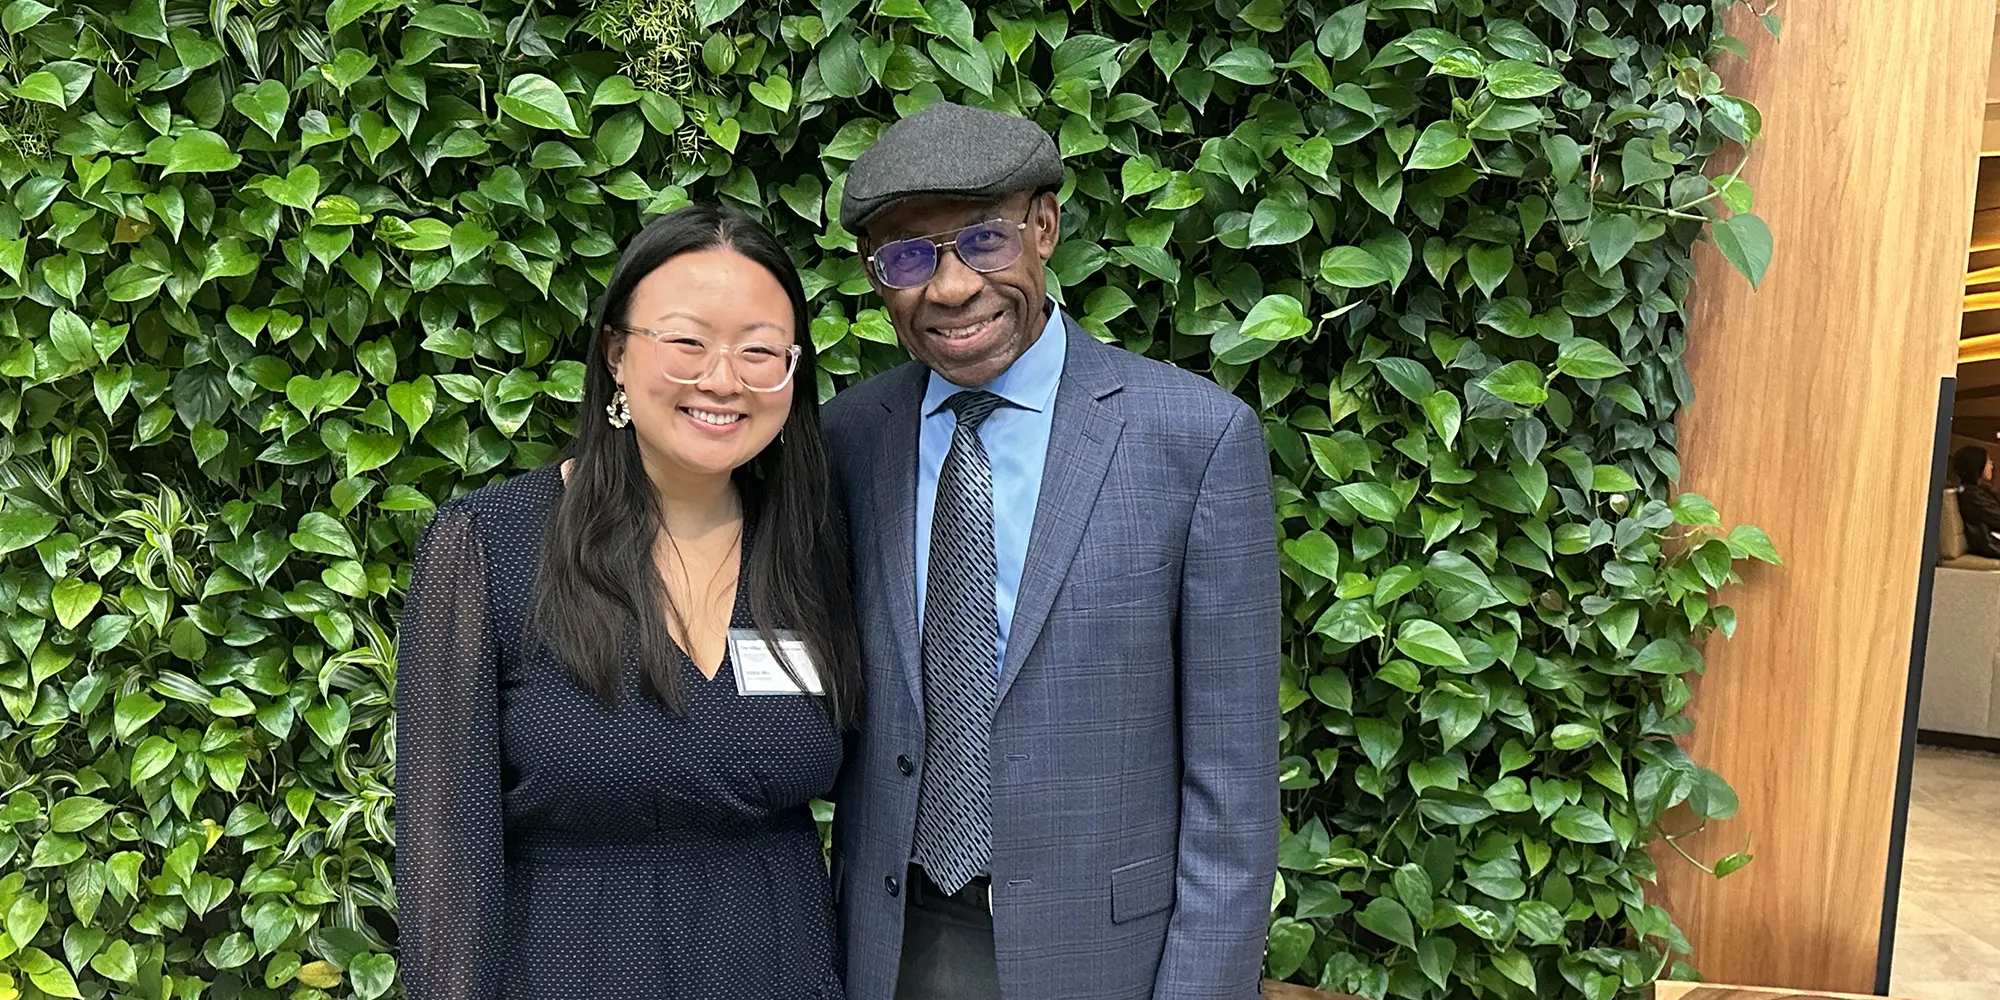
point(550, 848)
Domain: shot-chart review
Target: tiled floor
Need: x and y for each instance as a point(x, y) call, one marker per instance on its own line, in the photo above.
point(1948, 923)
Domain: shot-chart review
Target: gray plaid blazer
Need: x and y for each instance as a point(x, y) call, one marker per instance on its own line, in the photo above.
point(1134, 746)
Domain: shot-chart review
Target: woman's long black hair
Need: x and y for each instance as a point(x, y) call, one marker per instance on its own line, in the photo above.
point(599, 599)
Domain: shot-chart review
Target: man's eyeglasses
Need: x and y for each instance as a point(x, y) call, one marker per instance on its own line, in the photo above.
point(985, 247)
point(689, 359)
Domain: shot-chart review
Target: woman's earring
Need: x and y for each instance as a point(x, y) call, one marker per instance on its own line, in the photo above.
point(619, 410)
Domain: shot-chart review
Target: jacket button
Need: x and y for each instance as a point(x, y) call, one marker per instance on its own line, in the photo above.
point(889, 883)
point(903, 764)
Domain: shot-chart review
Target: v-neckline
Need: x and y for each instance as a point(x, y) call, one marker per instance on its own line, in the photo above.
point(737, 606)
point(738, 602)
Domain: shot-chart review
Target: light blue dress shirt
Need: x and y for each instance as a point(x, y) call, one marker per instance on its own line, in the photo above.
point(1017, 445)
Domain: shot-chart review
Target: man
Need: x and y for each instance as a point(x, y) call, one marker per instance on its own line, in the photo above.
point(1066, 578)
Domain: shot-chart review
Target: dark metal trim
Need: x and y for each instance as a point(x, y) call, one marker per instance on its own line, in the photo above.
point(1885, 948)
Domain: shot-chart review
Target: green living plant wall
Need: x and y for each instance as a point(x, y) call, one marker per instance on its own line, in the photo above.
point(281, 275)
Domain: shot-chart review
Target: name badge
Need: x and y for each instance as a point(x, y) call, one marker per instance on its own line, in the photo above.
point(758, 670)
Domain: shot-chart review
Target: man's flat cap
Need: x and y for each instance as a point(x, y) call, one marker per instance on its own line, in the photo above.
point(951, 150)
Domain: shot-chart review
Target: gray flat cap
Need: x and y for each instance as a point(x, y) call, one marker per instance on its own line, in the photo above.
point(949, 149)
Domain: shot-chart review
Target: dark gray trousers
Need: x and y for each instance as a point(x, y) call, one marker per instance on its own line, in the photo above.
point(947, 944)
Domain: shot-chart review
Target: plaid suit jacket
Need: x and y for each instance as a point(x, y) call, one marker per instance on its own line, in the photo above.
point(1134, 745)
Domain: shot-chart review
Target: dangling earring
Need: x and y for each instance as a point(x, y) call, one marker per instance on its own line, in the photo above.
point(619, 410)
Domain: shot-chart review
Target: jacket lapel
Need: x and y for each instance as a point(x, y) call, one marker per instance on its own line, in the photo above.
point(895, 503)
point(1081, 441)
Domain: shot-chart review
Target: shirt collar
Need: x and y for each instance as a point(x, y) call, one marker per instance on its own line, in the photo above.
point(1029, 383)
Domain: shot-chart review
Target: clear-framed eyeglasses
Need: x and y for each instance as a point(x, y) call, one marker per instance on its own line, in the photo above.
point(993, 245)
point(687, 358)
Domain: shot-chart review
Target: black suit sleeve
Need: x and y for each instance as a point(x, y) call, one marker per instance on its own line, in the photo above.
point(1979, 507)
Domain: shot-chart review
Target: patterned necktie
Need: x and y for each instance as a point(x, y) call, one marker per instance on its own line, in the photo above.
point(961, 644)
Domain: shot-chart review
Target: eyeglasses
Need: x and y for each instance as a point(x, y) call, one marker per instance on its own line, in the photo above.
point(689, 359)
point(985, 247)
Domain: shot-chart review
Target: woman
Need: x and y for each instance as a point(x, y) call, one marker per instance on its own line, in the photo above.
point(607, 744)
point(1978, 505)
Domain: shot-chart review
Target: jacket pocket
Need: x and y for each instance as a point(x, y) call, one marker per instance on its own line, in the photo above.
point(1099, 593)
point(1142, 888)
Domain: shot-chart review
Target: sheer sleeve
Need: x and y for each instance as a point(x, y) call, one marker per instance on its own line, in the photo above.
point(449, 851)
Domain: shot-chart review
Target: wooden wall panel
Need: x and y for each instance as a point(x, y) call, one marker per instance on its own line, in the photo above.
point(1993, 70)
point(1704, 991)
point(1816, 403)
